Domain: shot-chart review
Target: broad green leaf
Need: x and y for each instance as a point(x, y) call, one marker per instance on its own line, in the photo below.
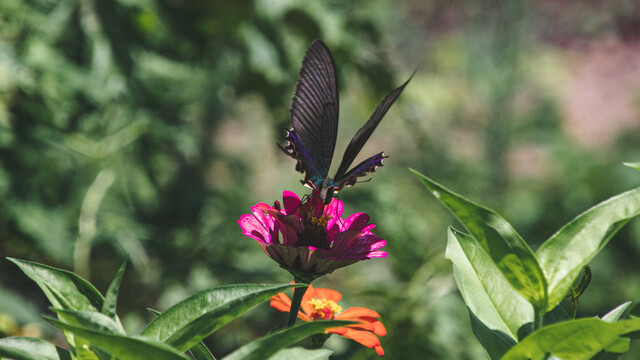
point(563, 256)
point(264, 348)
point(484, 288)
point(299, 353)
point(64, 289)
point(495, 342)
point(111, 297)
point(201, 352)
point(497, 237)
point(90, 320)
point(122, 346)
point(191, 320)
point(573, 340)
point(24, 348)
point(614, 315)
point(633, 165)
point(620, 346)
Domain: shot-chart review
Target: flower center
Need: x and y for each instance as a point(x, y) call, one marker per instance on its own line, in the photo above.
point(324, 309)
point(315, 232)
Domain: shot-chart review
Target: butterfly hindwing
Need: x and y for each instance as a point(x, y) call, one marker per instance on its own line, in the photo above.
point(305, 163)
point(361, 137)
point(367, 166)
point(314, 110)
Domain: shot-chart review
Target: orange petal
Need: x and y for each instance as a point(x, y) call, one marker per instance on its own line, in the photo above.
point(379, 350)
point(379, 329)
point(328, 294)
point(281, 302)
point(358, 312)
point(363, 337)
point(305, 307)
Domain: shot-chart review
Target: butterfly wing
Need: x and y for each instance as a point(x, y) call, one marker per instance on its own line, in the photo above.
point(367, 166)
point(305, 161)
point(360, 138)
point(314, 114)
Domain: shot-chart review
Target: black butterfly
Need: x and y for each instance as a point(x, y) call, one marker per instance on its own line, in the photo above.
point(314, 117)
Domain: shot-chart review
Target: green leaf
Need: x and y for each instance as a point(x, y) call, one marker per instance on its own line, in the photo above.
point(64, 289)
point(632, 165)
point(565, 254)
point(484, 288)
point(573, 340)
point(497, 237)
point(191, 320)
point(24, 348)
point(614, 315)
point(90, 320)
point(201, 352)
point(111, 297)
point(495, 342)
point(298, 353)
point(269, 345)
point(122, 346)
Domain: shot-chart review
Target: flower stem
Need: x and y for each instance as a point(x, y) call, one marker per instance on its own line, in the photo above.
point(537, 319)
point(298, 293)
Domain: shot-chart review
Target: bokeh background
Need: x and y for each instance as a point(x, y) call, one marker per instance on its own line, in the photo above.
point(147, 128)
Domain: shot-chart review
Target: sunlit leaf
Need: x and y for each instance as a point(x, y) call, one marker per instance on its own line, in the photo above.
point(299, 353)
point(201, 352)
point(24, 348)
point(614, 315)
point(484, 288)
point(267, 346)
point(64, 289)
point(191, 320)
point(495, 342)
point(91, 320)
point(502, 243)
point(635, 165)
point(111, 297)
point(565, 254)
point(122, 346)
point(573, 340)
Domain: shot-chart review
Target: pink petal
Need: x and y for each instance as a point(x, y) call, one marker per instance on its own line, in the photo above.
point(357, 221)
point(377, 254)
point(254, 228)
point(291, 201)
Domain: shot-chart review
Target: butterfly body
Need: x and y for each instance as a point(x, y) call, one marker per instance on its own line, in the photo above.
point(314, 119)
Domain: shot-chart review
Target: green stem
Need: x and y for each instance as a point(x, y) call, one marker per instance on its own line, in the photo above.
point(298, 293)
point(537, 320)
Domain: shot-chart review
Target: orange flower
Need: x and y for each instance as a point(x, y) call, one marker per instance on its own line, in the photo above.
point(322, 304)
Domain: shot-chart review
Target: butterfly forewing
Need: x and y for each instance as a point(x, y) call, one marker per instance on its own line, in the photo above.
point(314, 108)
point(361, 137)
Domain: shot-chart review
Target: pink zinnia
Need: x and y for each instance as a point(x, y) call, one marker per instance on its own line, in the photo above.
point(310, 239)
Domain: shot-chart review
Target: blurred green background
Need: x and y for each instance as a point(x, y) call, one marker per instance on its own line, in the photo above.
point(148, 127)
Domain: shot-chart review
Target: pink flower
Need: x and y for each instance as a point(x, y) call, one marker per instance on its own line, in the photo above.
point(310, 239)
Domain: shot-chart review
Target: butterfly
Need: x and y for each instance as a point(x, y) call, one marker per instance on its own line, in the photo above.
point(314, 119)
